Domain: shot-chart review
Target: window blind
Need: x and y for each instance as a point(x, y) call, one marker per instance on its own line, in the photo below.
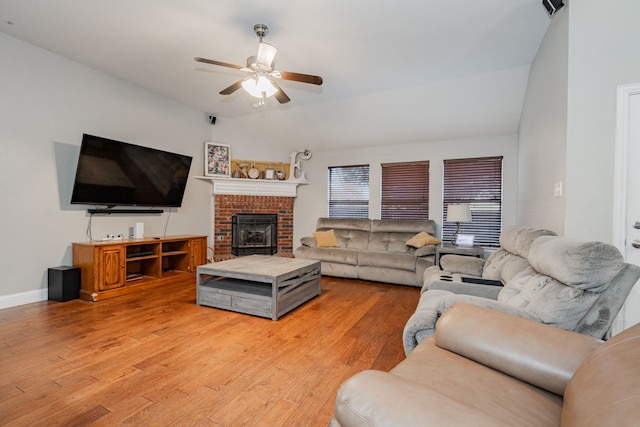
point(405, 190)
point(349, 191)
point(478, 182)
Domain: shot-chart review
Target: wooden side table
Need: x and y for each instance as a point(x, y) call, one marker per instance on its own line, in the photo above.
point(448, 248)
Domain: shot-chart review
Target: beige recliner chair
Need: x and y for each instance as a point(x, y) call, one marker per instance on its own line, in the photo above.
point(563, 282)
point(487, 368)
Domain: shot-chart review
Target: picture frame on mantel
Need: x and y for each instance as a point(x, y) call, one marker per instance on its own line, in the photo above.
point(217, 159)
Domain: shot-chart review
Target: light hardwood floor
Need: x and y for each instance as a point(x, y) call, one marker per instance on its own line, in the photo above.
point(161, 360)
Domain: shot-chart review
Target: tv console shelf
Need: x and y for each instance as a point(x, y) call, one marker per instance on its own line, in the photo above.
point(114, 268)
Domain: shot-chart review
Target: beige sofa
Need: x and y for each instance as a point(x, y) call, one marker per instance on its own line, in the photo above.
point(488, 368)
point(559, 281)
point(372, 250)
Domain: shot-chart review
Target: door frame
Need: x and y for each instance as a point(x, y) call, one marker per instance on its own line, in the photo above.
point(620, 170)
point(624, 94)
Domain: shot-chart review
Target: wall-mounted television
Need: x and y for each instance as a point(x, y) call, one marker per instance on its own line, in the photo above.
point(115, 173)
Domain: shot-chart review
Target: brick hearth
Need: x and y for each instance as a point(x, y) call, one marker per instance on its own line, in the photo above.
point(227, 204)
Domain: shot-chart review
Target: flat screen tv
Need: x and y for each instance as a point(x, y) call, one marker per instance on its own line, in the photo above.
point(115, 173)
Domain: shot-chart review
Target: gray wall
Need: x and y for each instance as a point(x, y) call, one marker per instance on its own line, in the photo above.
point(312, 199)
point(543, 134)
point(47, 103)
point(603, 53)
point(568, 124)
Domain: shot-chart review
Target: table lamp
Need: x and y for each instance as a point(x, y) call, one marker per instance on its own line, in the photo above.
point(458, 212)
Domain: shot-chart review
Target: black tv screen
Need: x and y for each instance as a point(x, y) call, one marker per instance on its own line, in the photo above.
point(115, 173)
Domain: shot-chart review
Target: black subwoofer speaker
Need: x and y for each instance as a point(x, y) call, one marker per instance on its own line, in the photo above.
point(64, 283)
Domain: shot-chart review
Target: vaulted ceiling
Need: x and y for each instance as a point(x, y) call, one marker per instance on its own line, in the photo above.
point(402, 71)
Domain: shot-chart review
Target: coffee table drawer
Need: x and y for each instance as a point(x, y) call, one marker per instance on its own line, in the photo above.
point(214, 298)
point(237, 295)
point(251, 305)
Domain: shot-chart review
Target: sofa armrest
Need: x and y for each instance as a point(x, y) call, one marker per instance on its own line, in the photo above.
point(426, 250)
point(375, 398)
point(462, 264)
point(483, 291)
point(541, 355)
point(309, 241)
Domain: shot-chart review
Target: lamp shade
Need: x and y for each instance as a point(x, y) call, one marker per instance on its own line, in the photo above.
point(459, 212)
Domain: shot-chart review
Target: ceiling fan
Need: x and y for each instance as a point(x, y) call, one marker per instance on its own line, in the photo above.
point(261, 82)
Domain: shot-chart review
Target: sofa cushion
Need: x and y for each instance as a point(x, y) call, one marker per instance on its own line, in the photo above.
point(325, 239)
point(360, 224)
point(389, 242)
point(546, 299)
point(411, 226)
point(517, 239)
point(351, 233)
point(335, 255)
point(508, 238)
point(503, 265)
point(387, 260)
point(526, 237)
point(583, 265)
point(352, 239)
point(421, 239)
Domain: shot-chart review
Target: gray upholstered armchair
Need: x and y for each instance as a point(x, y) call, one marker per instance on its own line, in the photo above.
point(578, 286)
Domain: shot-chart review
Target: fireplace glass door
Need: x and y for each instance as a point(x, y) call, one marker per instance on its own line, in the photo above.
point(254, 234)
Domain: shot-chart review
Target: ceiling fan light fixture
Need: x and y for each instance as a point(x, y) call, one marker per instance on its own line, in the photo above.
point(266, 54)
point(261, 82)
point(259, 87)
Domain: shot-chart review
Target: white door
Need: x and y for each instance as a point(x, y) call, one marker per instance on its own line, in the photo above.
point(627, 193)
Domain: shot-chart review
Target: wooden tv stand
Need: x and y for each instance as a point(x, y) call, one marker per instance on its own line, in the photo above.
point(118, 267)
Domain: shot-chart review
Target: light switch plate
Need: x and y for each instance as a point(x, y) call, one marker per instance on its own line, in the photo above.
point(557, 189)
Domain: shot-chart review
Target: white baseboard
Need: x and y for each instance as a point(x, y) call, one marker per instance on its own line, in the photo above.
point(21, 298)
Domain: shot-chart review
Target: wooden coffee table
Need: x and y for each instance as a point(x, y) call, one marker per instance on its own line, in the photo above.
point(261, 285)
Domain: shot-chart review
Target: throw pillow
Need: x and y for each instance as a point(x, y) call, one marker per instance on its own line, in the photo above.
point(422, 239)
point(325, 239)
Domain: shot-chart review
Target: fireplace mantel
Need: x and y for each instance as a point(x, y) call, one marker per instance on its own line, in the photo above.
point(253, 187)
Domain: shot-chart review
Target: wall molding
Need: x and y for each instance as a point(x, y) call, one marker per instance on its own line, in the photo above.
point(14, 300)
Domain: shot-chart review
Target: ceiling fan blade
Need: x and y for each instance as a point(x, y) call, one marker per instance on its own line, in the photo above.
point(304, 78)
point(280, 95)
point(266, 54)
point(234, 87)
point(222, 64)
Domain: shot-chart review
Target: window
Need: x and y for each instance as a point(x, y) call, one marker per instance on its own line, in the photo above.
point(477, 182)
point(349, 191)
point(405, 190)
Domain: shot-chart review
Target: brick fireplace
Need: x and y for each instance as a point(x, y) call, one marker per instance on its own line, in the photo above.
point(225, 205)
point(254, 196)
